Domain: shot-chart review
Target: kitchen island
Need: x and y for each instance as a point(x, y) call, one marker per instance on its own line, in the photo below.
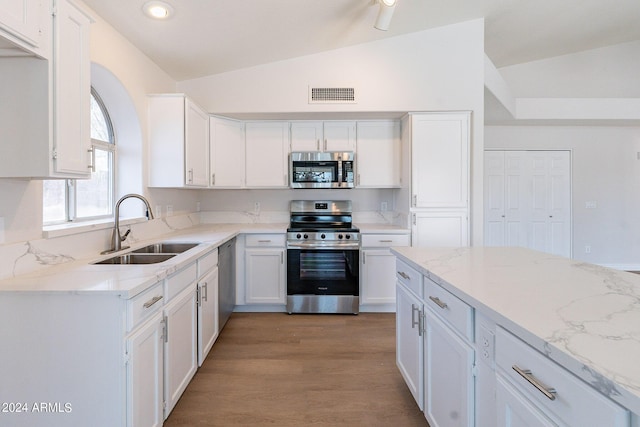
point(583, 317)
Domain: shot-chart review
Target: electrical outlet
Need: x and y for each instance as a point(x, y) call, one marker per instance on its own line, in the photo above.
point(486, 344)
point(169, 210)
point(383, 207)
point(157, 212)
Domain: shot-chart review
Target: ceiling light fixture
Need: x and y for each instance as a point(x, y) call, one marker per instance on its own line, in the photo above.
point(157, 9)
point(384, 14)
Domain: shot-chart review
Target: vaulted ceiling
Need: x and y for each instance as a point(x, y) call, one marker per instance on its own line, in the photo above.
point(207, 37)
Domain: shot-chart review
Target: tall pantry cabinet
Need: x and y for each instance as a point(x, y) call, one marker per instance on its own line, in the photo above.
point(438, 144)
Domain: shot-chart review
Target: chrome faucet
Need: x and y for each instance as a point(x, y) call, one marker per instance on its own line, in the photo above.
point(116, 237)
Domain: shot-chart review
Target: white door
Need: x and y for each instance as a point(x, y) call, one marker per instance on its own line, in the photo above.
point(196, 145)
point(514, 410)
point(440, 229)
point(378, 154)
point(180, 357)
point(448, 380)
point(378, 277)
point(409, 347)
point(267, 152)
point(306, 136)
point(207, 314)
point(528, 203)
point(72, 92)
point(339, 136)
point(226, 151)
point(440, 160)
point(265, 276)
point(144, 374)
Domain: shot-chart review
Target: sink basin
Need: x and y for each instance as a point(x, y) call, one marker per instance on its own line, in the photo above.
point(132, 258)
point(165, 248)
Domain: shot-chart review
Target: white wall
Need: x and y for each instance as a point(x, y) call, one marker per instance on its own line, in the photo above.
point(435, 70)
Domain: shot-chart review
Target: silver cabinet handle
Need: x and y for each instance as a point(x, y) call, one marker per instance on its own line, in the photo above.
point(206, 291)
point(414, 309)
point(439, 302)
point(166, 329)
point(264, 241)
point(213, 179)
point(152, 301)
point(364, 258)
point(190, 177)
point(92, 163)
point(549, 392)
point(386, 241)
point(281, 257)
point(404, 275)
point(318, 144)
point(415, 200)
point(415, 220)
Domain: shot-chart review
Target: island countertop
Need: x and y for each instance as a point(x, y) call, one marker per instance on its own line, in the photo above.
point(583, 316)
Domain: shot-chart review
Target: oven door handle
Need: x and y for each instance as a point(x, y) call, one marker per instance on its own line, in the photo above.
point(320, 245)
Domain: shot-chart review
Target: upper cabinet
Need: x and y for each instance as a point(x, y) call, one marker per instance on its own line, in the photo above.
point(45, 104)
point(22, 23)
point(226, 139)
point(178, 142)
point(267, 151)
point(378, 154)
point(323, 136)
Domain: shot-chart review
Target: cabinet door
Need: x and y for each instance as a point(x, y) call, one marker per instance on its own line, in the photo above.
point(196, 145)
point(306, 136)
point(265, 276)
point(71, 92)
point(144, 374)
point(514, 410)
point(378, 277)
point(440, 229)
point(267, 145)
point(180, 362)
point(448, 379)
point(207, 314)
point(378, 154)
point(440, 160)
point(339, 136)
point(20, 18)
point(409, 348)
point(226, 152)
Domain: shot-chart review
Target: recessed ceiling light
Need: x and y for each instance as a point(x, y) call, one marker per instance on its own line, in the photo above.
point(157, 9)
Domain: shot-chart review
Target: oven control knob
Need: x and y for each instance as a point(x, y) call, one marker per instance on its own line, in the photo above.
point(340, 236)
point(348, 236)
point(298, 236)
point(306, 236)
point(322, 236)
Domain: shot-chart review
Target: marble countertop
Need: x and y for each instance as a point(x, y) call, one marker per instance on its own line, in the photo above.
point(583, 316)
point(81, 276)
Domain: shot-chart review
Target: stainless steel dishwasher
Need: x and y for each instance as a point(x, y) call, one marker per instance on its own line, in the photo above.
point(226, 281)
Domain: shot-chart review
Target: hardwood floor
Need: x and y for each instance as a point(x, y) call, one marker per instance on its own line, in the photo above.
point(299, 370)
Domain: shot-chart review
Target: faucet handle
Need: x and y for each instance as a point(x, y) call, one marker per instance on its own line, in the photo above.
point(124, 236)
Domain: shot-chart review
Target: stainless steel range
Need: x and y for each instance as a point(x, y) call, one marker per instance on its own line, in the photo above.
point(322, 258)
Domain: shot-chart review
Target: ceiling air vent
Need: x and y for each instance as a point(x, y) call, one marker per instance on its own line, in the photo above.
point(332, 95)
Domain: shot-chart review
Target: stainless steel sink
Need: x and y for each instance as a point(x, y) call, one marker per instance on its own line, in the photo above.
point(165, 248)
point(132, 258)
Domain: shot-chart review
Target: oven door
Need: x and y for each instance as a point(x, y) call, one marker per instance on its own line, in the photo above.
point(323, 271)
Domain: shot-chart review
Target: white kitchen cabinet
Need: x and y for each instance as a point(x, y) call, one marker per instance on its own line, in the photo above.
point(409, 341)
point(180, 361)
point(227, 153)
point(448, 378)
point(435, 228)
point(20, 20)
point(178, 142)
point(267, 151)
point(265, 269)
point(145, 368)
point(440, 160)
point(514, 410)
point(207, 313)
point(378, 154)
point(336, 135)
point(378, 271)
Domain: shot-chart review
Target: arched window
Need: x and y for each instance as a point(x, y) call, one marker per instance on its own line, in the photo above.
point(86, 199)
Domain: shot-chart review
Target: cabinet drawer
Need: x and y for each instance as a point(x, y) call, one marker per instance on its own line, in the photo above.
point(180, 280)
point(262, 240)
point(451, 308)
point(207, 262)
point(574, 402)
point(144, 305)
point(384, 240)
point(409, 276)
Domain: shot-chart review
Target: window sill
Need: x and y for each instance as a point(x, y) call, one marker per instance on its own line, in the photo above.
point(68, 229)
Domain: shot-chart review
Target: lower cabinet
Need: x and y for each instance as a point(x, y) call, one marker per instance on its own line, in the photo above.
point(514, 410)
point(145, 368)
point(409, 348)
point(207, 313)
point(265, 269)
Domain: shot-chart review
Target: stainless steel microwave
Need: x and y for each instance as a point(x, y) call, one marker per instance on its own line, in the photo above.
point(322, 169)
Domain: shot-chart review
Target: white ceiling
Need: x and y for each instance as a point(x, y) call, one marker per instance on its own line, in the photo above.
point(207, 37)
